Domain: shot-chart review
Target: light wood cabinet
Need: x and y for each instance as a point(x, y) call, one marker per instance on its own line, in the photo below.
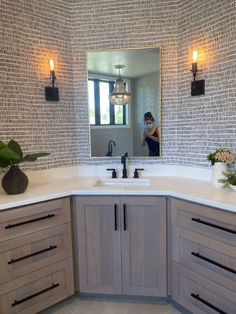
point(199, 294)
point(122, 245)
point(36, 256)
point(203, 253)
point(36, 217)
point(38, 290)
point(144, 245)
point(99, 244)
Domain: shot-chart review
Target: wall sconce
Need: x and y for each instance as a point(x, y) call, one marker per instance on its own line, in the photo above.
point(52, 93)
point(197, 87)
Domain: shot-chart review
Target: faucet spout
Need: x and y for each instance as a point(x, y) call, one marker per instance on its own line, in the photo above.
point(124, 158)
point(109, 152)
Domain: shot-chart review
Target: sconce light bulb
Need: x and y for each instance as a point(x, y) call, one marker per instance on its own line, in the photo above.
point(51, 64)
point(195, 56)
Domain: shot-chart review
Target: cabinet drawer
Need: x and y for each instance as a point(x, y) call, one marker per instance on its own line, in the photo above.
point(27, 219)
point(207, 256)
point(38, 290)
point(199, 294)
point(31, 252)
point(212, 222)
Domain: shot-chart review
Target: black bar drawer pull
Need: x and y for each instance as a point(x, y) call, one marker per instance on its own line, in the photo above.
point(29, 221)
point(124, 214)
point(51, 247)
point(196, 296)
point(213, 262)
point(115, 217)
point(213, 225)
point(53, 286)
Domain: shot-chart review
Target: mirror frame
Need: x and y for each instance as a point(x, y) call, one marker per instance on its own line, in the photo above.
point(160, 101)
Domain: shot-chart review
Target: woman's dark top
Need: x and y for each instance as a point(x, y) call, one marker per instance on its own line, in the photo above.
point(154, 147)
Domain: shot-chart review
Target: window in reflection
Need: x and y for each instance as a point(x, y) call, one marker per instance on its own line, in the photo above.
point(101, 111)
point(104, 103)
point(91, 102)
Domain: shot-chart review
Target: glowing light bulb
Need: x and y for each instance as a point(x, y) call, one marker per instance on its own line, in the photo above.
point(51, 64)
point(195, 56)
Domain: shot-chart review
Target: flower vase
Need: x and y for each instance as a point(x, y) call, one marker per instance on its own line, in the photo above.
point(217, 174)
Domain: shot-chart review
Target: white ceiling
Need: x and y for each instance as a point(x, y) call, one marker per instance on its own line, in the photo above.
point(138, 62)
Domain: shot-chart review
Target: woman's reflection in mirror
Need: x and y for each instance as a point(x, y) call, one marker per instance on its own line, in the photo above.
point(150, 135)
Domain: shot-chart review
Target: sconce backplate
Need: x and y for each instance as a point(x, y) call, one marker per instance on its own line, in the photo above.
point(51, 93)
point(198, 88)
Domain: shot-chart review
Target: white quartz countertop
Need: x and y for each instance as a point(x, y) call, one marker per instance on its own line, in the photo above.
point(199, 191)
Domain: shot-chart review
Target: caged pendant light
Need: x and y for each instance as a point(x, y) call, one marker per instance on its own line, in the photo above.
point(120, 96)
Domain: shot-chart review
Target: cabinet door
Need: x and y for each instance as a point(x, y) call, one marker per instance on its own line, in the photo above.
point(99, 244)
point(144, 245)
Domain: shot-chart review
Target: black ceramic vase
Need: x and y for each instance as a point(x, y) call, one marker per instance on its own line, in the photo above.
point(15, 181)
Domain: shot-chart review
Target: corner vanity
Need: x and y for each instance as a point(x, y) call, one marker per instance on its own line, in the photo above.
point(171, 239)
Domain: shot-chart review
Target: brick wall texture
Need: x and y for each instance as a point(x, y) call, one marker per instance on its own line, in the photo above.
point(31, 31)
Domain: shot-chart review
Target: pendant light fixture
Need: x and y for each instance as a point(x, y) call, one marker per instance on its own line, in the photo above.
point(120, 96)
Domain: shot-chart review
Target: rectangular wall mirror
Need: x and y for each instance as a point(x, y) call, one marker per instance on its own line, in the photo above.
point(134, 127)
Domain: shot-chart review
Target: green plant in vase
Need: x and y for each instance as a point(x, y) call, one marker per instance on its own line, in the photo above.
point(15, 180)
point(229, 179)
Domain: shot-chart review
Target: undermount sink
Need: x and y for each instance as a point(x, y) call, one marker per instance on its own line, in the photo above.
point(122, 182)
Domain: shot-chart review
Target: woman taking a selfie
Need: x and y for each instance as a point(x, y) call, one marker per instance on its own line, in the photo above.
point(150, 135)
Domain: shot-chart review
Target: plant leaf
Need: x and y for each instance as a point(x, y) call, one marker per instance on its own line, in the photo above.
point(15, 147)
point(4, 163)
point(33, 157)
point(9, 156)
point(226, 174)
point(2, 145)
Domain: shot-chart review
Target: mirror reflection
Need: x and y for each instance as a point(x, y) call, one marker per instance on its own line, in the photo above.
point(125, 102)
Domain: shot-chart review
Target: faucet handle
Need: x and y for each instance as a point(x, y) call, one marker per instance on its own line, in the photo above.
point(136, 176)
point(113, 175)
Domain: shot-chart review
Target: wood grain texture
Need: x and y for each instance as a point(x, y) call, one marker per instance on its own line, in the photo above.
point(60, 273)
point(182, 213)
point(99, 245)
point(144, 246)
point(185, 282)
point(192, 274)
point(185, 242)
point(142, 251)
point(60, 208)
point(46, 277)
point(14, 249)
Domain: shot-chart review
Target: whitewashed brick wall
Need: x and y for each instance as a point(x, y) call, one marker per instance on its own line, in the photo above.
point(191, 126)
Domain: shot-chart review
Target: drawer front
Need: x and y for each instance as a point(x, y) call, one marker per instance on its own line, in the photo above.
point(212, 222)
point(207, 256)
point(38, 290)
point(27, 219)
point(31, 252)
point(200, 295)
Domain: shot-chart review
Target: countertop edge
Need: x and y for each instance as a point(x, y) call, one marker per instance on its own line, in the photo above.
point(93, 192)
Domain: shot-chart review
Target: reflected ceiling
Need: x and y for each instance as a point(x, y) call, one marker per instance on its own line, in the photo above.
point(138, 62)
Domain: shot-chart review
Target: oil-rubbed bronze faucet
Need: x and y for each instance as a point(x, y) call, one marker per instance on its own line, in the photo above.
point(109, 152)
point(123, 161)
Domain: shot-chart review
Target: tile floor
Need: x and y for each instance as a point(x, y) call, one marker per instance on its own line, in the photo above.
point(74, 305)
